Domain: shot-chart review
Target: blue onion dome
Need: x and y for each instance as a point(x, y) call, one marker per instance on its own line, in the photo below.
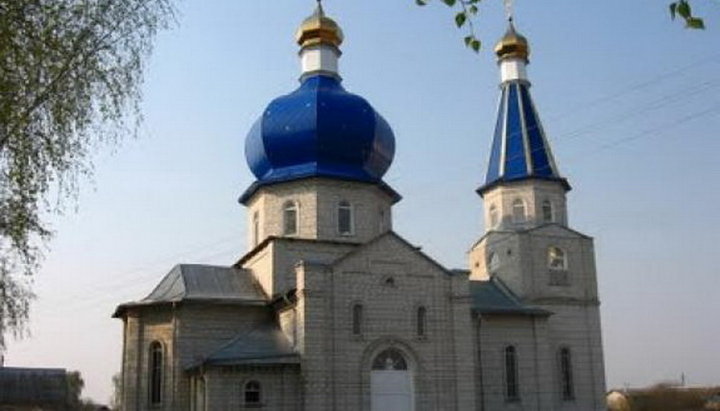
point(320, 130)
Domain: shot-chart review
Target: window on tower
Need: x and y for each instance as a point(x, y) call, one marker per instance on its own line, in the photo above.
point(547, 211)
point(493, 214)
point(155, 367)
point(512, 389)
point(493, 263)
point(518, 211)
point(290, 218)
point(252, 393)
point(566, 378)
point(557, 259)
point(345, 218)
point(256, 228)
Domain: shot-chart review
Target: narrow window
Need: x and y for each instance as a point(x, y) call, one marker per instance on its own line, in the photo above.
point(381, 220)
point(252, 393)
point(421, 321)
point(547, 211)
point(493, 213)
point(256, 228)
point(557, 260)
point(155, 367)
point(357, 317)
point(493, 263)
point(345, 218)
point(290, 218)
point(200, 394)
point(566, 379)
point(512, 392)
point(518, 211)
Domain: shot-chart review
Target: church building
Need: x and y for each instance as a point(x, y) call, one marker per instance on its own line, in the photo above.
point(330, 309)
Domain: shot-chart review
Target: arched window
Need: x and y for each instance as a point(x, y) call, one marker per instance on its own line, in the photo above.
point(256, 228)
point(421, 319)
point(357, 318)
point(390, 359)
point(155, 367)
point(290, 218)
point(518, 211)
point(547, 211)
point(512, 391)
point(493, 262)
point(566, 379)
point(252, 393)
point(493, 213)
point(345, 218)
point(557, 260)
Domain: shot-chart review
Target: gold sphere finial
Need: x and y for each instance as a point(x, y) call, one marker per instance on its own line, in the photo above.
point(512, 44)
point(319, 29)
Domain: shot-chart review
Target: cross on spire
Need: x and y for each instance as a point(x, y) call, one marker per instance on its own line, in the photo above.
point(508, 9)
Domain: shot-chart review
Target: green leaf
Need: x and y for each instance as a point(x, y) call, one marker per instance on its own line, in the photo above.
point(421, 2)
point(450, 2)
point(673, 10)
point(695, 23)
point(683, 9)
point(473, 9)
point(468, 39)
point(460, 18)
point(475, 45)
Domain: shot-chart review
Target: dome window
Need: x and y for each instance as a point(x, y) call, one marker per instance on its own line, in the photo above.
point(518, 211)
point(256, 228)
point(345, 219)
point(290, 218)
point(547, 212)
point(493, 216)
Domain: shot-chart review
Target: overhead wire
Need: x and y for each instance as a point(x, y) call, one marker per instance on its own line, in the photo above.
point(121, 280)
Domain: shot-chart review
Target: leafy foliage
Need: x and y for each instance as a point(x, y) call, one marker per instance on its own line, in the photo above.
point(683, 9)
point(467, 10)
point(70, 80)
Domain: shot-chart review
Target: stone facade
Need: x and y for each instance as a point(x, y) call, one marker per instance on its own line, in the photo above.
point(329, 309)
point(311, 287)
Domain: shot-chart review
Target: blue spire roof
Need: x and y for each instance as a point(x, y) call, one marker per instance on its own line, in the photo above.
point(319, 130)
point(520, 149)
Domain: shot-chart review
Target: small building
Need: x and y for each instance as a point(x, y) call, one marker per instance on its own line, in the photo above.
point(664, 397)
point(36, 389)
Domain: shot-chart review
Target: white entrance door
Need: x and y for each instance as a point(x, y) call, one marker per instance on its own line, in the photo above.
point(391, 383)
point(391, 390)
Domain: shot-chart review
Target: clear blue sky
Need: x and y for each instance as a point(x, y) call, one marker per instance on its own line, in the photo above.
point(630, 102)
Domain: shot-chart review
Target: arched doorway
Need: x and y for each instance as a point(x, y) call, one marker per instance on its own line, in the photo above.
point(391, 383)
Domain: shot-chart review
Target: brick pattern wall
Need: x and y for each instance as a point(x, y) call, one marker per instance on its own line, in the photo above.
point(390, 280)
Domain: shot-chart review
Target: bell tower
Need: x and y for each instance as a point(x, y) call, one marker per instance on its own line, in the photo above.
point(528, 244)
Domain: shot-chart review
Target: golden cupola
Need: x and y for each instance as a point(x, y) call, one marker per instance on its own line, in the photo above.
point(319, 29)
point(512, 45)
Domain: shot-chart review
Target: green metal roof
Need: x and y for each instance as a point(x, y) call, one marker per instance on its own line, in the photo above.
point(493, 297)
